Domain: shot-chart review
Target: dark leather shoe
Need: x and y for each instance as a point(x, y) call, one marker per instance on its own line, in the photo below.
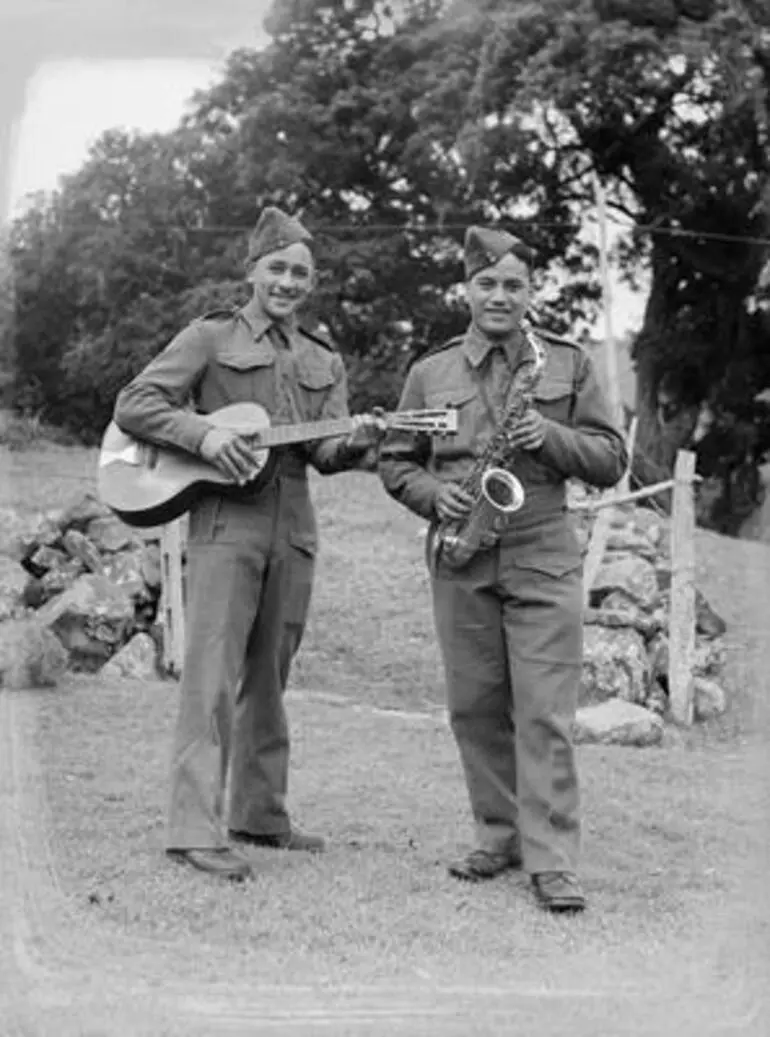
point(482, 864)
point(558, 891)
point(224, 863)
point(293, 840)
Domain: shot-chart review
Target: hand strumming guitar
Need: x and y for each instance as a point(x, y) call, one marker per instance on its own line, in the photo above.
point(230, 452)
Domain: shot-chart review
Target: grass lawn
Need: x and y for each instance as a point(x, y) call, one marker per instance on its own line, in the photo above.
point(668, 849)
point(388, 793)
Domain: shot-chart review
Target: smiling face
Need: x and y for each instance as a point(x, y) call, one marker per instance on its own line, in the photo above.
point(498, 296)
point(282, 280)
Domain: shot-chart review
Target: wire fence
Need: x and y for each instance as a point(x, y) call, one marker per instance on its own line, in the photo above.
point(443, 229)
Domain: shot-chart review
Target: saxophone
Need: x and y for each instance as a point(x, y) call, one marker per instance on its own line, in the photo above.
point(495, 491)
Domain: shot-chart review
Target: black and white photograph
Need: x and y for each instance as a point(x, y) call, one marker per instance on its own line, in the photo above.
point(385, 518)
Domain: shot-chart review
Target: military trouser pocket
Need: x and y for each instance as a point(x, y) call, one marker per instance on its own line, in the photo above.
point(224, 519)
point(204, 516)
point(304, 542)
point(549, 547)
point(546, 565)
point(299, 577)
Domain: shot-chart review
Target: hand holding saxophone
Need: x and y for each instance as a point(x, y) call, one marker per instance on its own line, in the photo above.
point(529, 432)
point(452, 502)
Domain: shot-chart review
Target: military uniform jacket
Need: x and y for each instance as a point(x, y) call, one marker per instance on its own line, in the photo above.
point(469, 373)
point(236, 356)
point(241, 356)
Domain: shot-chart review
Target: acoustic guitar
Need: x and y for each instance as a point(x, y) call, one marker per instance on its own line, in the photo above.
point(146, 485)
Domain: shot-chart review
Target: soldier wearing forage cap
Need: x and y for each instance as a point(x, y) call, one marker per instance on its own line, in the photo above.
point(509, 623)
point(250, 558)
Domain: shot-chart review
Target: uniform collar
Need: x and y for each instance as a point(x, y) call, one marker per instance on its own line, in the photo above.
point(477, 345)
point(260, 324)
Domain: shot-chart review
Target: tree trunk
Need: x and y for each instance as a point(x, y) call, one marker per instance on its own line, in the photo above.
point(652, 459)
point(649, 456)
point(665, 423)
point(669, 401)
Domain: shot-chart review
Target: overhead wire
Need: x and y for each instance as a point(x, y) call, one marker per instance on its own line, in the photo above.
point(442, 228)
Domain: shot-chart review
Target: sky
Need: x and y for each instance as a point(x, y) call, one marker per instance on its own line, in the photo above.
point(70, 103)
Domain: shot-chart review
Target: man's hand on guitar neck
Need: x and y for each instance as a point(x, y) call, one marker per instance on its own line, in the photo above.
point(228, 451)
point(368, 430)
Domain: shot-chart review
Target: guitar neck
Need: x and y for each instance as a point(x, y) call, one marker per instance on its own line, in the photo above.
point(283, 435)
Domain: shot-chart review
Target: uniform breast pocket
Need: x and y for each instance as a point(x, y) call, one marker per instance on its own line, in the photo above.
point(464, 400)
point(246, 379)
point(554, 400)
point(313, 390)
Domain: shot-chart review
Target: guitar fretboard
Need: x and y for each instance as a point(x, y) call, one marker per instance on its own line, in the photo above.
point(280, 435)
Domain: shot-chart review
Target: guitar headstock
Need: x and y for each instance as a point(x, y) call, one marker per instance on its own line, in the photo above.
point(431, 422)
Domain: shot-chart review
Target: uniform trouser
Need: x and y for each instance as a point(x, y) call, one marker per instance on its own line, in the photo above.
point(510, 630)
point(248, 593)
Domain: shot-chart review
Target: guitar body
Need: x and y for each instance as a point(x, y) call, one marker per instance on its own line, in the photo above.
point(147, 486)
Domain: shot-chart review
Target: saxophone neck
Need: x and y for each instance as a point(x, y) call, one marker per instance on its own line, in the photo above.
point(534, 341)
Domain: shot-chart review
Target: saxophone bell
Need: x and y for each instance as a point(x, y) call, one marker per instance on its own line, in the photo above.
point(500, 494)
point(502, 490)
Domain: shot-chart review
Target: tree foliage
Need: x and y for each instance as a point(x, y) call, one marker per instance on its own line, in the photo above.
point(667, 103)
point(390, 128)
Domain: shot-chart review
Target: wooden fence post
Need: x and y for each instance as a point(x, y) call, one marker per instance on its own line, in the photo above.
point(681, 630)
point(172, 544)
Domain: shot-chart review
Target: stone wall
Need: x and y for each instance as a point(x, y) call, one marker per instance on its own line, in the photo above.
point(83, 578)
point(624, 687)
